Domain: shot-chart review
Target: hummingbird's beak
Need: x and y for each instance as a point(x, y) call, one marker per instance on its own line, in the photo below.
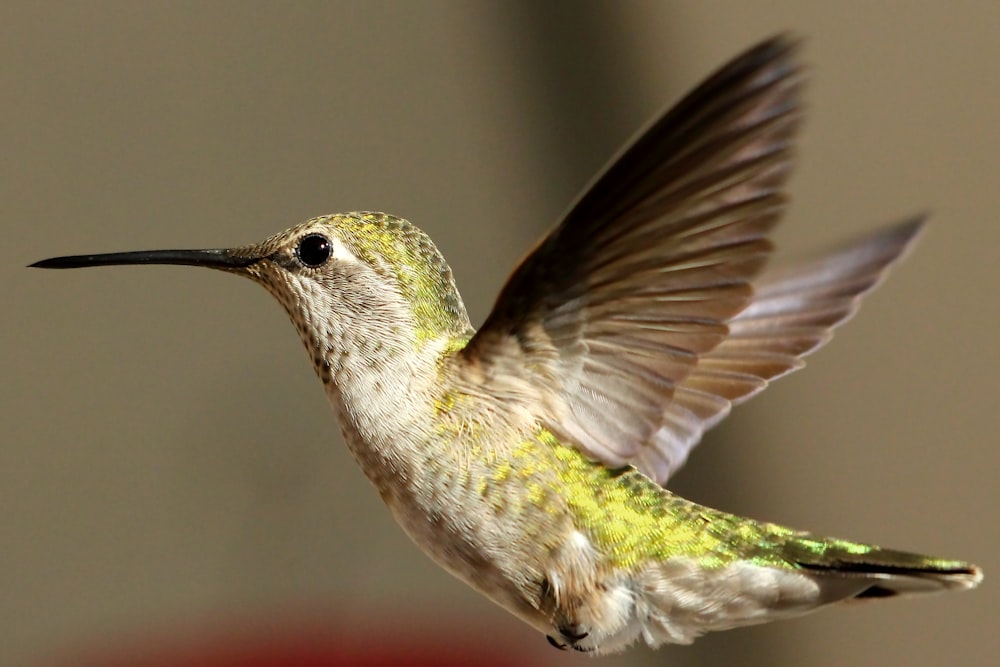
point(224, 259)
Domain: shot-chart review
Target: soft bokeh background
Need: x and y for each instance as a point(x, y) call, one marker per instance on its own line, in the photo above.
point(169, 468)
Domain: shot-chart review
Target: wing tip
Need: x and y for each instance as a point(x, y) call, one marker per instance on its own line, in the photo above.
point(781, 44)
point(772, 59)
point(905, 233)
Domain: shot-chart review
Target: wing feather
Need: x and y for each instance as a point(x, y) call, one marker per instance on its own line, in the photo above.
point(642, 318)
point(613, 308)
point(792, 314)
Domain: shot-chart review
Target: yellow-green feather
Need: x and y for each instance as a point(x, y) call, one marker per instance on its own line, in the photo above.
point(420, 271)
point(632, 520)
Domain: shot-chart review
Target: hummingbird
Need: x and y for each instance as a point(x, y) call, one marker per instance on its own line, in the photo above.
point(530, 457)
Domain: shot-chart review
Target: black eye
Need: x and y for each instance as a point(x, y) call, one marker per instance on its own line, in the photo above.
point(313, 250)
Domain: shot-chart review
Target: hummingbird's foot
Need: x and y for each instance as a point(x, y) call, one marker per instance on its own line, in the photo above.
point(572, 635)
point(563, 647)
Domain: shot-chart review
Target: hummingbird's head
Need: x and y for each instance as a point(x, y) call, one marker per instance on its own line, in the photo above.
point(368, 271)
point(371, 278)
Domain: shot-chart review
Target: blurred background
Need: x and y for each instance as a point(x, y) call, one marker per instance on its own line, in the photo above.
point(172, 482)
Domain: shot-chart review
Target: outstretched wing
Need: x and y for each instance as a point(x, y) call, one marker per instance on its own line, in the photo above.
point(793, 313)
point(613, 310)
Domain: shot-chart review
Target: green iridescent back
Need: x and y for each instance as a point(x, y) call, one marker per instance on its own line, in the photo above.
point(635, 520)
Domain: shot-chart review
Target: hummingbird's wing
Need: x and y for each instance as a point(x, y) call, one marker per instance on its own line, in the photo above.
point(793, 313)
point(609, 314)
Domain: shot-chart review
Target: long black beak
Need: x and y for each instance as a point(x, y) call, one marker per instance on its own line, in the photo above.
point(218, 259)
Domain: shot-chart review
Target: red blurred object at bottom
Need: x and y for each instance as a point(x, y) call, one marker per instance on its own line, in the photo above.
point(313, 645)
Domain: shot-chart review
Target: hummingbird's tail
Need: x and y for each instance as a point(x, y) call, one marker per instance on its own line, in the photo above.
point(847, 571)
point(794, 573)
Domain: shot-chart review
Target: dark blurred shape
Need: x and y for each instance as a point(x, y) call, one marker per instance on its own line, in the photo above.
point(580, 62)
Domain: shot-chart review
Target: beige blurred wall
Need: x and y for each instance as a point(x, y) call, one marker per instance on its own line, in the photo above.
point(168, 461)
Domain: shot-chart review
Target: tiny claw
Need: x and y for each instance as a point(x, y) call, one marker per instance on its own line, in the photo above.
point(553, 642)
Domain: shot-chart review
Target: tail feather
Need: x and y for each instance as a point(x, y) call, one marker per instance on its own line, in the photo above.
point(855, 572)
